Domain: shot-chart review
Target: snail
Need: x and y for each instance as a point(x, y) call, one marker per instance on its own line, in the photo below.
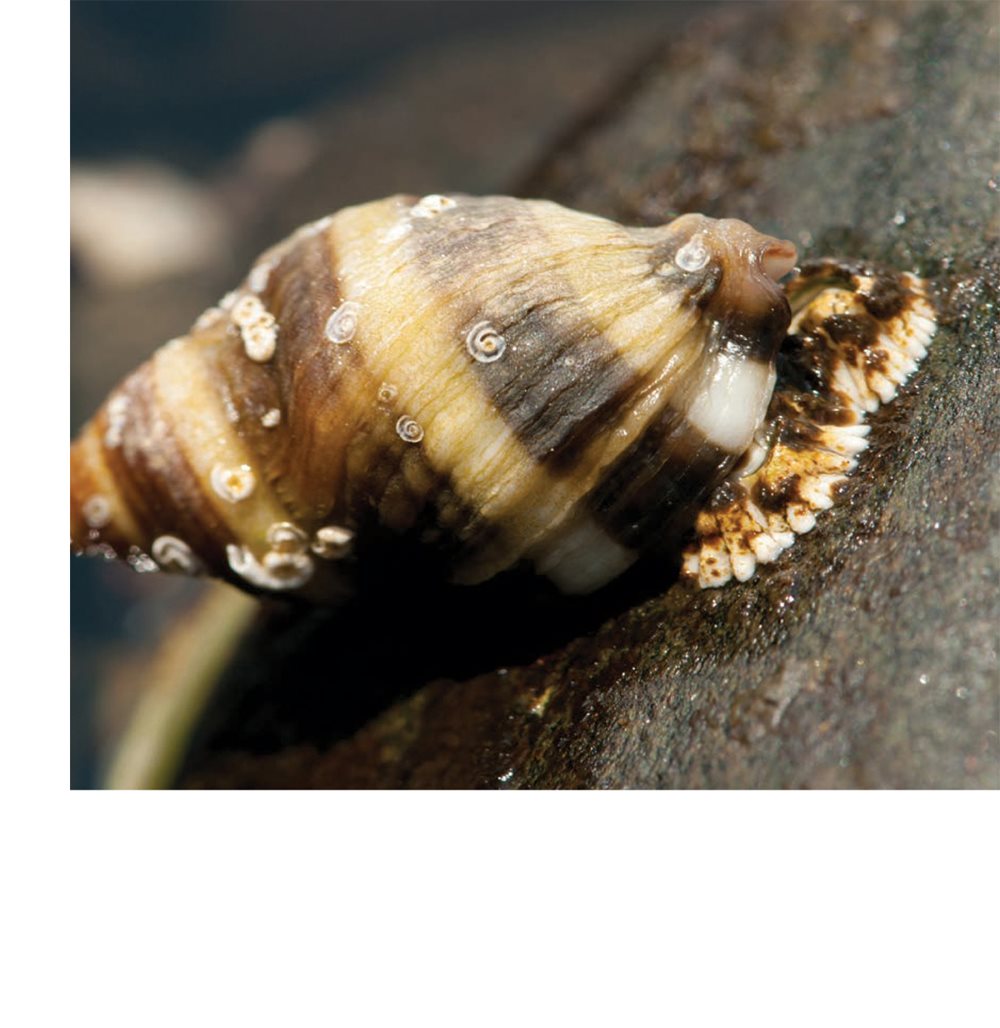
point(496, 382)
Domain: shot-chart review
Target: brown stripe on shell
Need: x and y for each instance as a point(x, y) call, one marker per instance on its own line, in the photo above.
point(162, 491)
point(310, 374)
point(127, 467)
point(90, 478)
point(248, 390)
point(569, 422)
point(390, 487)
point(341, 429)
point(343, 432)
point(559, 378)
point(757, 336)
point(652, 491)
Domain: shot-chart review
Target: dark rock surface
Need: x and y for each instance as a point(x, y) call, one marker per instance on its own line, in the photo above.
point(867, 656)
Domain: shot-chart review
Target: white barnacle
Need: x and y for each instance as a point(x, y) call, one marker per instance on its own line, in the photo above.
point(260, 274)
point(284, 537)
point(104, 550)
point(141, 563)
point(117, 412)
point(271, 418)
point(409, 430)
point(173, 554)
point(96, 511)
point(260, 339)
point(290, 569)
point(233, 483)
point(484, 343)
point(432, 205)
point(332, 541)
point(279, 570)
point(387, 393)
point(229, 300)
point(693, 255)
point(247, 310)
point(343, 322)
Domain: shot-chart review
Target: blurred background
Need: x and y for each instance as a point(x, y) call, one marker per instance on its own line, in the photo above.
point(204, 132)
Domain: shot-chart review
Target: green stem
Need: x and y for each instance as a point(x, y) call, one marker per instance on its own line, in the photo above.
point(181, 681)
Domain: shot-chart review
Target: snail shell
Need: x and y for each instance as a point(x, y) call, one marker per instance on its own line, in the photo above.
point(494, 380)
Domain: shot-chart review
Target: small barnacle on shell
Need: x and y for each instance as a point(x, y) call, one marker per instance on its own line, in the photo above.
point(260, 338)
point(693, 255)
point(97, 511)
point(387, 393)
point(432, 205)
point(284, 537)
point(591, 392)
point(173, 554)
point(247, 310)
point(409, 430)
point(277, 571)
point(233, 483)
point(332, 541)
point(343, 322)
point(484, 343)
point(141, 563)
point(291, 569)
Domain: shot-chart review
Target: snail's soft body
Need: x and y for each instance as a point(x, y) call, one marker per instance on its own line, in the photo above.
point(497, 382)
